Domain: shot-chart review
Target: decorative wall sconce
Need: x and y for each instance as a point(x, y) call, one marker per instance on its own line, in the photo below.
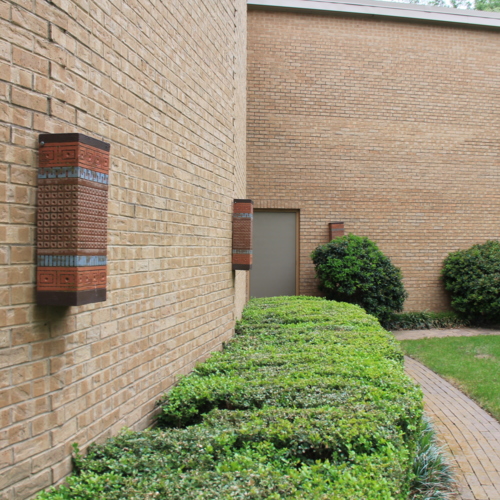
point(335, 229)
point(72, 219)
point(242, 234)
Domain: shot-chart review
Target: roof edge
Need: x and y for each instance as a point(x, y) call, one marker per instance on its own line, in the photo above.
point(386, 9)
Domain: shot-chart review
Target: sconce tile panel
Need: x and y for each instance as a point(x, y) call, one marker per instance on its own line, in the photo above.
point(336, 229)
point(72, 219)
point(242, 234)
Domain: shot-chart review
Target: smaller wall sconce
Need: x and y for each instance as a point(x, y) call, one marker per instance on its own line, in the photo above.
point(72, 219)
point(335, 229)
point(242, 234)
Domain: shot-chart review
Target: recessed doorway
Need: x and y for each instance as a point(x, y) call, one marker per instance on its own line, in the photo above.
point(274, 268)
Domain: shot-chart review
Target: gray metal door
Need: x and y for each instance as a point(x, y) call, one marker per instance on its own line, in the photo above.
point(274, 254)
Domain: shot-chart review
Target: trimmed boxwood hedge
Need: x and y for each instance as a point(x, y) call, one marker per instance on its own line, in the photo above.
point(308, 401)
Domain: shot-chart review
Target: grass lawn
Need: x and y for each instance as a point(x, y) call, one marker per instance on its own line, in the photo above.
point(470, 363)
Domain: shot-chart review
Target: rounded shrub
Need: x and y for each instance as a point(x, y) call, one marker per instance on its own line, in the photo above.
point(353, 269)
point(473, 278)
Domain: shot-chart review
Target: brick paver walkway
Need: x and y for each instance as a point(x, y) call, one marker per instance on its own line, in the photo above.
point(471, 435)
point(448, 332)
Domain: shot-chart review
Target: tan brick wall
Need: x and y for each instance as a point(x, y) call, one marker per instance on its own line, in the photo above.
point(164, 83)
point(240, 126)
point(389, 126)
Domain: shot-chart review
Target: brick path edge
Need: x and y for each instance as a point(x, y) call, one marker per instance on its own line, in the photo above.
point(469, 434)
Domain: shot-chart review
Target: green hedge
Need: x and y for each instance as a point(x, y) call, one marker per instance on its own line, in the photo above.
point(308, 401)
point(472, 277)
point(424, 320)
point(353, 269)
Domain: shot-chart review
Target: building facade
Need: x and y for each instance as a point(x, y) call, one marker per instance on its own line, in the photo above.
point(163, 83)
point(383, 116)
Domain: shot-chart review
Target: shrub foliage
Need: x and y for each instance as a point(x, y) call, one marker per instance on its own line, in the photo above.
point(353, 269)
point(308, 401)
point(424, 320)
point(473, 278)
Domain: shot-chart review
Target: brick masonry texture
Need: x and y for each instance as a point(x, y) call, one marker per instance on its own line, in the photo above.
point(471, 437)
point(164, 84)
point(389, 126)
